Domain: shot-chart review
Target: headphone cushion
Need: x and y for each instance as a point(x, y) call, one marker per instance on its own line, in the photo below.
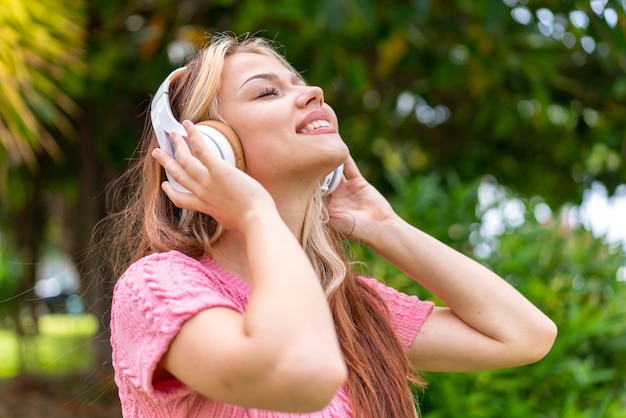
point(231, 137)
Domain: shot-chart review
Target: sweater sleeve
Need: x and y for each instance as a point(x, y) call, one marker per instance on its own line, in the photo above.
point(408, 313)
point(152, 300)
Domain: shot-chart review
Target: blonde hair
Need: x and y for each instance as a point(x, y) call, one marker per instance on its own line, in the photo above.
point(148, 222)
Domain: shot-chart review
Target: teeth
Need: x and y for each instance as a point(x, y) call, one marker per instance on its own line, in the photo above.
point(314, 125)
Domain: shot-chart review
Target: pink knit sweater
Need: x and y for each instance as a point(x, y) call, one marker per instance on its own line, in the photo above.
point(153, 299)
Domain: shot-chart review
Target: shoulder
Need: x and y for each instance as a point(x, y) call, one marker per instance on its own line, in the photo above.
point(170, 261)
point(169, 276)
point(170, 267)
point(396, 300)
point(384, 291)
point(152, 300)
point(159, 292)
point(407, 312)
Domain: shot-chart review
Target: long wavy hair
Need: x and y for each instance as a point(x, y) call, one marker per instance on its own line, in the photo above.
point(146, 221)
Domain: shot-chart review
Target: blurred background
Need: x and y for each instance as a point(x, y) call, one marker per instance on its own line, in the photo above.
point(499, 127)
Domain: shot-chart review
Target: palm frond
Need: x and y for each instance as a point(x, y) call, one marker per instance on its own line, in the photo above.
point(40, 54)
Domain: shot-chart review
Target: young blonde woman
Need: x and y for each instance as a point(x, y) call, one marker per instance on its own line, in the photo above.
point(237, 299)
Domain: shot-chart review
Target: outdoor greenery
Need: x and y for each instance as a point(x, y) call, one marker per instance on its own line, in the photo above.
point(460, 111)
point(578, 280)
point(62, 345)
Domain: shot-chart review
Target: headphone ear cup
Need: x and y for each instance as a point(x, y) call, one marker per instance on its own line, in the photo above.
point(227, 143)
point(332, 180)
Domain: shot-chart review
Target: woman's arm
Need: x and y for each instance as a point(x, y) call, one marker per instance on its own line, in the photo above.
point(487, 323)
point(282, 353)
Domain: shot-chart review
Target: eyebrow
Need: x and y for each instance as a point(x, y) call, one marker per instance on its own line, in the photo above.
point(295, 78)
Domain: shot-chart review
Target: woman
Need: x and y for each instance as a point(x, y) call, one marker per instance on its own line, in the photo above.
point(238, 299)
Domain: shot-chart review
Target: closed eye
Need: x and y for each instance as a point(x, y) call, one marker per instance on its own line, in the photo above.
point(267, 91)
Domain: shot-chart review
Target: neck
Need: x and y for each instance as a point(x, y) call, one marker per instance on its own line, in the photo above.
point(230, 250)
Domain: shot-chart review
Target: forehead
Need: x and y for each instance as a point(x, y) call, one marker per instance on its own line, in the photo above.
point(241, 66)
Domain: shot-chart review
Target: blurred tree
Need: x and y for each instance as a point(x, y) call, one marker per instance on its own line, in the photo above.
point(40, 71)
point(40, 61)
point(499, 88)
point(486, 88)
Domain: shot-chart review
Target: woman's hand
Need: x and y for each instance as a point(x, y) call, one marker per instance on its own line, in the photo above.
point(217, 188)
point(356, 208)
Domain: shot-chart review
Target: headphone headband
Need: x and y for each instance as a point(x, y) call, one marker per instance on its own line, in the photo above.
point(163, 120)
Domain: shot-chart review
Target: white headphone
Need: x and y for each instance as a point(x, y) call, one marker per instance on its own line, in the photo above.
point(218, 137)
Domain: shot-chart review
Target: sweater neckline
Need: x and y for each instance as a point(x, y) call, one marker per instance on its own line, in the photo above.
point(226, 275)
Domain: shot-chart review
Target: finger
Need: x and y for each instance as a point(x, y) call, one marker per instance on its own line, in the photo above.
point(189, 149)
point(209, 159)
point(180, 144)
point(350, 168)
point(173, 167)
point(164, 159)
point(180, 199)
point(196, 158)
point(197, 143)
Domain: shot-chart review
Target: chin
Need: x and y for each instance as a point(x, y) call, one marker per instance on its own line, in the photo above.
point(342, 154)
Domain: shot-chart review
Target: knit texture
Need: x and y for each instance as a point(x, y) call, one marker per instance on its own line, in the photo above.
point(154, 298)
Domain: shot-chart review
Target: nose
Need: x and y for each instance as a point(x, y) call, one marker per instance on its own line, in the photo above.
point(311, 95)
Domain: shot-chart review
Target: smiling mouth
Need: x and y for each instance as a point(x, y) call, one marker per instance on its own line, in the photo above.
point(316, 124)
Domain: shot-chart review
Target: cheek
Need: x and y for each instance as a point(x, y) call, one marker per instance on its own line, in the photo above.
point(333, 115)
point(267, 150)
point(256, 146)
point(264, 131)
point(265, 134)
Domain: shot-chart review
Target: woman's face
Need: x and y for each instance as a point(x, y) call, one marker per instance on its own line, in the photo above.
point(288, 133)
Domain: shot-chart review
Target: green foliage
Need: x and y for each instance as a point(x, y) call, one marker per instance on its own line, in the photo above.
point(61, 347)
point(10, 273)
point(513, 99)
point(417, 85)
point(569, 274)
